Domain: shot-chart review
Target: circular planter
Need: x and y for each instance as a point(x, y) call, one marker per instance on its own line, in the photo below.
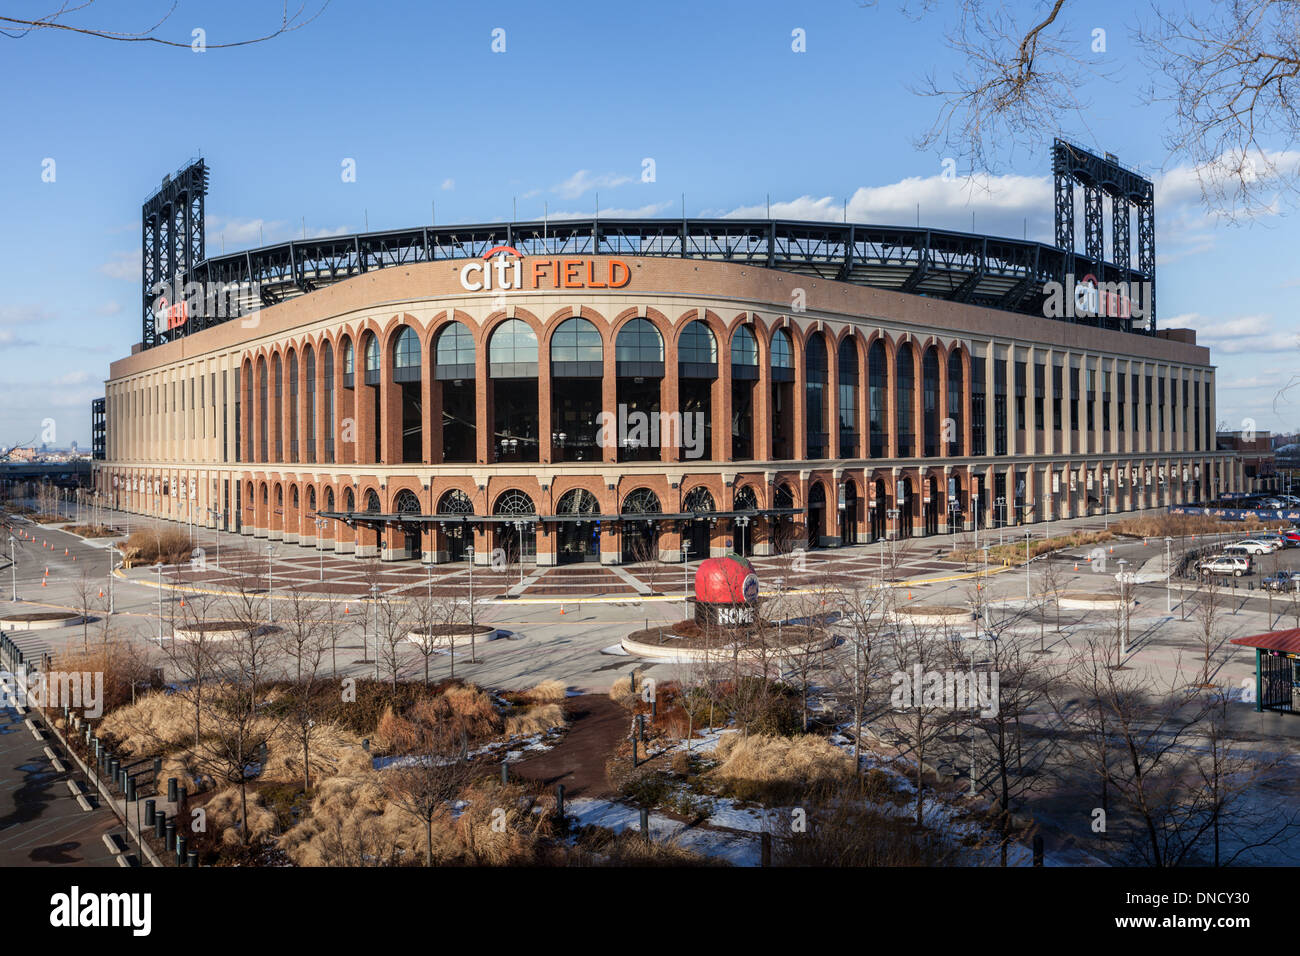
point(442, 634)
point(219, 631)
point(936, 615)
point(688, 646)
point(39, 620)
point(1085, 601)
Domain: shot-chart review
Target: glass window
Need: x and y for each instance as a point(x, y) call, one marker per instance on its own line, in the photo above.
point(744, 348)
point(406, 350)
point(455, 345)
point(372, 354)
point(697, 345)
point(639, 341)
point(782, 353)
point(576, 340)
point(513, 342)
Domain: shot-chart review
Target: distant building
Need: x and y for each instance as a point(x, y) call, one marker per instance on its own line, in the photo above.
point(1255, 452)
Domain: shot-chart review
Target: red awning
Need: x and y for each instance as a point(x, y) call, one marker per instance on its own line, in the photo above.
point(1288, 641)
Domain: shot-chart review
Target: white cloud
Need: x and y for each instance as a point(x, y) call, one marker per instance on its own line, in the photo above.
point(123, 265)
point(641, 212)
point(448, 184)
point(583, 182)
point(1243, 334)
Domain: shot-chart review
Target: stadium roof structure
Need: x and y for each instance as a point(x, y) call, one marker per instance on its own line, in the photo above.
point(990, 271)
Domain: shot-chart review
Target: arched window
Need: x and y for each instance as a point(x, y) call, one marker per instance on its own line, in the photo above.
point(349, 501)
point(578, 501)
point(406, 356)
point(955, 393)
point(782, 352)
point(455, 502)
point(311, 499)
point(815, 377)
point(639, 342)
point(407, 503)
point(372, 359)
point(327, 406)
point(455, 351)
point(697, 346)
point(310, 362)
point(905, 376)
point(576, 350)
point(372, 502)
point(329, 499)
point(877, 407)
point(848, 398)
point(698, 501)
point(277, 419)
point(348, 362)
point(745, 500)
point(293, 406)
point(930, 401)
point(642, 501)
point(515, 503)
point(744, 349)
point(512, 352)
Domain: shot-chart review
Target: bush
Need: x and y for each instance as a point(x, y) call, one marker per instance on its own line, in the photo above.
point(151, 547)
point(776, 770)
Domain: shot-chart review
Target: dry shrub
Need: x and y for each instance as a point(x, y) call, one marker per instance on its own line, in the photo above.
point(621, 692)
point(352, 824)
point(463, 710)
point(1158, 526)
point(224, 812)
point(778, 769)
point(150, 547)
point(600, 847)
point(535, 720)
point(184, 768)
point(156, 722)
point(548, 691)
point(333, 750)
point(396, 733)
point(122, 663)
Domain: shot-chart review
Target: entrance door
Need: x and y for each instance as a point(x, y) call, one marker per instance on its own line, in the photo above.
point(577, 541)
point(698, 533)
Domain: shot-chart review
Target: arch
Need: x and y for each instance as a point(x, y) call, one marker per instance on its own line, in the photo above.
point(309, 366)
point(517, 543)
point(454, 351)
point(370, 352)
point(639, 342)
point(957, 389)
point(455, 502)
point(406, 355)
point(578, 540)
point(782, 350)
point(514, 503)
point(577, 342)
point(372, 502)
point(697, 346)
point(640, 531)
point(816, 407)
point(847, 377)
point(406, 503)
point(349, 501)
point(699, 500)
point(512, 350)
point(904, 392)
point(311, 499)
point(878, 399)
point(930, 412)
point(641, 501)
point(744, 347)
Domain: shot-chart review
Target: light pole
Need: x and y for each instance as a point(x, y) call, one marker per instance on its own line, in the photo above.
point(972, 726)
point(1000, 515)
point(1028, 597)
point(469, 551)
point(1169, 576)
point(975, 519)
point(112, 566)
point(374, 597)
point(1047, 514)
point(216, 530)
point(686, 576)
point(320, 531)
point(158, 567)
point(270, 583)
point(13, 568)
point(1123, 599)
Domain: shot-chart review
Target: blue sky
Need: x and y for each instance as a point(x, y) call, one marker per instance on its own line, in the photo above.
point(711, 90)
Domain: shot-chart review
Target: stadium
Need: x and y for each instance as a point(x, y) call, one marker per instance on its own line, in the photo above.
point(656, 390)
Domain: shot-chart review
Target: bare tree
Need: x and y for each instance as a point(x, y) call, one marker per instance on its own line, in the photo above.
point(1209, 609)
point(1225, 75)
point(57, 20)
point(303, 639)
point(429, 779)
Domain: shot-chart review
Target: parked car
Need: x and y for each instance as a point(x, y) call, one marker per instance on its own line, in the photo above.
point(1225, 564)
point(1255, 546)
point(1282, 581)
point(1271, 537)
point(1292, 537)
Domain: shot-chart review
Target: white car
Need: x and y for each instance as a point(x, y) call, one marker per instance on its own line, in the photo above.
point(1256, 546)
point(1224, 564)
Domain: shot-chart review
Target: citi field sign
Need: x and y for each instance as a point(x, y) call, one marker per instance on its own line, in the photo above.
point(503, 269)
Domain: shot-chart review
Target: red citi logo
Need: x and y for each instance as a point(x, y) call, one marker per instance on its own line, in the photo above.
point(503, 270)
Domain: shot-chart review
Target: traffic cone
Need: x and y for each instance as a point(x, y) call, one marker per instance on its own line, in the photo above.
point(65, 552)
point(561, 608)
point(1076, 565)
point(345, 609)
point(182, 602)
point(42, 582)
point(1112, 549)
point(101, 592)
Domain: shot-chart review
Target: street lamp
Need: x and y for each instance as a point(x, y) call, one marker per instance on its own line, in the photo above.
point(158, 567)
point(1169, 576)
point(13, 568)
point(1123, 598)
point(217, 532)
point(320, 537)
point(686, 576)
point(112, 566)
point(270, 583)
